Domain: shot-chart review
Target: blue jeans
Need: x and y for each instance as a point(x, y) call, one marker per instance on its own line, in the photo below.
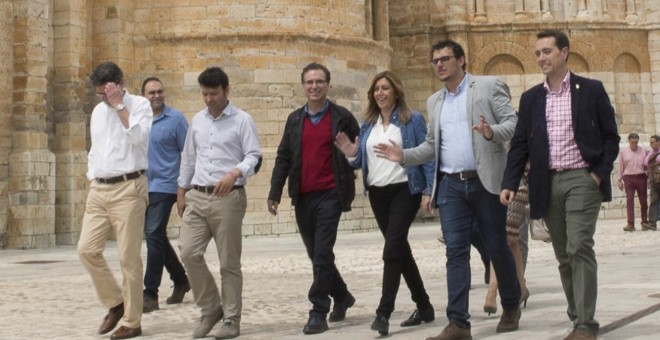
point(159, 250)
point(461, 204)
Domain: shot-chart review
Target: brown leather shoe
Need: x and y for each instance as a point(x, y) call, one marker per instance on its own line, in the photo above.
point(648, 226)
point(629, 228)
point(178, 293)
point(110, 321)
point(509, 321)
point(581, 334)
point(126, 333)
point(453, 332)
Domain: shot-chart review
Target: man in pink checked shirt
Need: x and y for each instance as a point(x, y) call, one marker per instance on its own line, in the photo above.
point(632, 176)
point(654, 188)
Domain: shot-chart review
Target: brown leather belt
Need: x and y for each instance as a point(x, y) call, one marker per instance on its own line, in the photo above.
point(209, 189)
point(124, 177)
point(463, 175)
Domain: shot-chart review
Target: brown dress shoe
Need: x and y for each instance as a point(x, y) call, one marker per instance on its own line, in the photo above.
point(178, 293)
point(509, 321)
point(110, 321)
point(629, 228)
point(126, 333)
point(453, 332)
point(648, 226)
point(581, 334)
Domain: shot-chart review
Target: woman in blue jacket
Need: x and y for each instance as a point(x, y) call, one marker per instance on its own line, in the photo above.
point(395, 192)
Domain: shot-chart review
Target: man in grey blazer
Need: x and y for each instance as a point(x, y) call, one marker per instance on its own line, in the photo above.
point(470, 120)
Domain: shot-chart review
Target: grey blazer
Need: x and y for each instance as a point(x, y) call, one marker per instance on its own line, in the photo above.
point(487, 96)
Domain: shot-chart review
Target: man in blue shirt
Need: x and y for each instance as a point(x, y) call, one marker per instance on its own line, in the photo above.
point(166, 140)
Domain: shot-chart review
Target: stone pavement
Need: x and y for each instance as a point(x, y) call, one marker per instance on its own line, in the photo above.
point(47, 294)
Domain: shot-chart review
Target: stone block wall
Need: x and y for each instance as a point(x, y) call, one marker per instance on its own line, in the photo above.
point(263, 45)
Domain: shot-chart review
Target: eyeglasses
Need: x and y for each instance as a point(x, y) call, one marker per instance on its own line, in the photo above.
point(318, 82)
point(441, 60)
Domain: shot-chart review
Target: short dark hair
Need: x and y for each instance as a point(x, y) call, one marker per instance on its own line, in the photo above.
point(633, 135)
point(213, 77)
point(315, 66)
point(456, 48)
point(144, 83)
point(561, 39)
point(106, 72)
point(656, 137)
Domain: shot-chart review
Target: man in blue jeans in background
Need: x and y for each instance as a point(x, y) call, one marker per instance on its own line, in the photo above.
point(168, 134)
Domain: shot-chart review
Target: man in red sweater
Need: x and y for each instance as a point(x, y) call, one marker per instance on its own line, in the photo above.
point(321, 187)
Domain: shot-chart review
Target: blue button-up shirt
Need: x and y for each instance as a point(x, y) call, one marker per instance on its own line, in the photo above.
point(166, 140)
point(456, 144)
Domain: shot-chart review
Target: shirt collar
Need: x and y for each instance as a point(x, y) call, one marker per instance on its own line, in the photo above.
point(461, 87)
point(227, 111)
point(565, 84)
point(323, 109)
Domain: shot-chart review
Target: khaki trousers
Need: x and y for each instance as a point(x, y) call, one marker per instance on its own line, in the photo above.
point(571, 217)
point(209, 217)
point(117, 208)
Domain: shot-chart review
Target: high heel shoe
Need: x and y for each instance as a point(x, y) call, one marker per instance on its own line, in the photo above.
point(523, 298)
point(490, 309)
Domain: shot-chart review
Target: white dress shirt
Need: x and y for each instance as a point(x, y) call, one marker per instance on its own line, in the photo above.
point(116, 150)
point(383, 172)
point(214, 146)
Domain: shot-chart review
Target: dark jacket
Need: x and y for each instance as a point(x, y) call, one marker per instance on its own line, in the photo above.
point(595, 131)
point(289, 156)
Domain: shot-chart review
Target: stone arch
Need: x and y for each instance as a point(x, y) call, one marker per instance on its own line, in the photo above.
point(504, 64)
point(628, 93)
point(490, 52)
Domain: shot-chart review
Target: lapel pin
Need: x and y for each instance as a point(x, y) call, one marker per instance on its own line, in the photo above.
point(577, 86)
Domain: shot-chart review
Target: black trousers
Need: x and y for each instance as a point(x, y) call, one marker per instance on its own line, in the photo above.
point(395, 209)
point(317, 215)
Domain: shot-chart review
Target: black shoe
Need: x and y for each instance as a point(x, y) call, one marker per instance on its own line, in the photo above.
point(339, 310)
point(315, 325)
point(381, 325)
point(418, 316)
point(149, 304)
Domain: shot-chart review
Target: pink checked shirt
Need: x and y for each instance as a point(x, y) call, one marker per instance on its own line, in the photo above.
point(631, 162)
point(564, 152)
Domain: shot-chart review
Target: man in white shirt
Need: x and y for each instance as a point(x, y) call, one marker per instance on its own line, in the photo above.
point(117, 199)
point(221, 151)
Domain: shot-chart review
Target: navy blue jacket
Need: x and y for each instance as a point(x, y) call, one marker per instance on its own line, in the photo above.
point(595, 130)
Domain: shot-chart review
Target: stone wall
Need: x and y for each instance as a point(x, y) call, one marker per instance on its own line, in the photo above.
point(263, 45)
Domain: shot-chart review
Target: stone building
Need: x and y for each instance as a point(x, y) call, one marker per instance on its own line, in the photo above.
point(51, 46)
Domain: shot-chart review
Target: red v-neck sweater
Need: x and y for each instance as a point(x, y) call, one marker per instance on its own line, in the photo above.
point(317, 144)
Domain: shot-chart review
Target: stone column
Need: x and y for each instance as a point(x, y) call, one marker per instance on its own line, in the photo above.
point(545, 10)
point(381, 21)
point(70, 144)
point(480, 12)
point(31, 217)
point(652, 16)
point(520, 11)
point(583, 11)
point(631, 13)
point(6, 72)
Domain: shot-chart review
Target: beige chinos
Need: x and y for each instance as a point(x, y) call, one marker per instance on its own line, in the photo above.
point(207, 216)
point(117, 208)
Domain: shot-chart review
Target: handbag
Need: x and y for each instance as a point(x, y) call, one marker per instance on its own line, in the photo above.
point(537, 229)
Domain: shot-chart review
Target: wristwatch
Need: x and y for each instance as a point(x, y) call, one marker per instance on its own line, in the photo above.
point(119, 107)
